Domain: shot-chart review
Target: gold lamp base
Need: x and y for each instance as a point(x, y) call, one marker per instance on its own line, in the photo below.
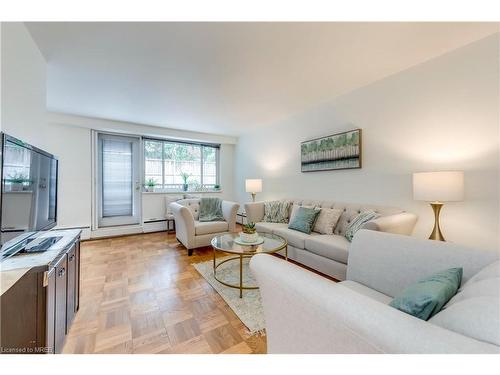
point(436, 231)
point(253, 197)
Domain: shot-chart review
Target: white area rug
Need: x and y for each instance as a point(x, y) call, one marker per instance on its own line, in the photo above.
point(248, 308)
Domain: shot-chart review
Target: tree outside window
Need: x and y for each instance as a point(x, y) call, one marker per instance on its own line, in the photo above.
point(166, 161)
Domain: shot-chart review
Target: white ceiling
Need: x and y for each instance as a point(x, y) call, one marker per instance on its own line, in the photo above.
point(223, 77)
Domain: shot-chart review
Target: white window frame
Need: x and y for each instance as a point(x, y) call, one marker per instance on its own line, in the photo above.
point(202, 145)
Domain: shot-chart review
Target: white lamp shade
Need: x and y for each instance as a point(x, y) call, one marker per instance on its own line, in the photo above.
point(438, 186)
point(253, 185)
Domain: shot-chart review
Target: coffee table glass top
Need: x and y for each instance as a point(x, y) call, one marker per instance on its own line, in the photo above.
point(272, 243)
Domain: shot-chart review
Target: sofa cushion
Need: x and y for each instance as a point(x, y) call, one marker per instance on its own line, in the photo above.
point(427, 296)
point(210, 227)
point(477, 317)
point(482, 288)
point(490, 271)
point(193, 204)
point(294, 208)
point(276, 211)
point(264, 227)
point(303, 221)
point(358, 222)
point(368, 292)
point(294, 238)
point(327, 220)
point(484, 283)
point(329, 246)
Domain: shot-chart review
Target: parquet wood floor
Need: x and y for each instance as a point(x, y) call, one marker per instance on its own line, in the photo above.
point(140, 294)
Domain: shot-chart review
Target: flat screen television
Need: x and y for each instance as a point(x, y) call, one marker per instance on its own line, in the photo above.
point(28, 193)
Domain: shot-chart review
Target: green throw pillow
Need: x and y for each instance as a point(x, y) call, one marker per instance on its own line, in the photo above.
point(211, 209)
point(427, 297)
point(358, 222)
point(276, 212)
point(304, 219)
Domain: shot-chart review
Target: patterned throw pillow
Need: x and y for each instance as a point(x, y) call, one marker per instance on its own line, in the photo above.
point(327, 220)
point(276, 212)
point(304, 219)
point(358, 222)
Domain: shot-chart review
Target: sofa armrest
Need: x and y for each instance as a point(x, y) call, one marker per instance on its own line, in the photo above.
point(306, 313)
point(402, 223)
point(184, 224)
point(390, 262)
point(229, 211)
point(254, 211)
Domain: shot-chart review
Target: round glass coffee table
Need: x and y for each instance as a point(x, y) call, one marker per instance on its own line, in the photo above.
point(225, 243)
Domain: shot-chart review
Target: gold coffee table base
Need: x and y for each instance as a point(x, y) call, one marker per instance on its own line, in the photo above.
point(225, 244)
point(239, 286)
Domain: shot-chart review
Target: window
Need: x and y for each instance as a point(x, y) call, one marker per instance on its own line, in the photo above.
point(17, 162)
point(166, 162)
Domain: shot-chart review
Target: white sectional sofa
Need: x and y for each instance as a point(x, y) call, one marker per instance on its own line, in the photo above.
point(307, 313)
point(328, 254)
point(193, 233)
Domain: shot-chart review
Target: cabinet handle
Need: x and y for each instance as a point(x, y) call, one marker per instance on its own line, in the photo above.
point(72, 257)
point(62, 271)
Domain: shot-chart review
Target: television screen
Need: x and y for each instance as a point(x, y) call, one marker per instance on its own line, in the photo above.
point(29, 191)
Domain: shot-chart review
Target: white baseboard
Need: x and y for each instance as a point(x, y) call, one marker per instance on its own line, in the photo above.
point(154, 226)
point(87, 234)
point(116, 231)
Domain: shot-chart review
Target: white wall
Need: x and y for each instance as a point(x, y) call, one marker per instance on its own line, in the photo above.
point(24, 115)
point(439, 115)
point(23, 85)
point(75, 186)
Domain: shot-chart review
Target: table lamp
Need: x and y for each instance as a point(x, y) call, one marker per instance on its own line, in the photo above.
point(253, 186)
point(436, 188)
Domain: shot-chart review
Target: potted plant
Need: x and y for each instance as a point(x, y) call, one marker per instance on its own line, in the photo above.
point(150, 185)
point(249, 233)
point(217, 187)
point(17, 181)
point(185, 176)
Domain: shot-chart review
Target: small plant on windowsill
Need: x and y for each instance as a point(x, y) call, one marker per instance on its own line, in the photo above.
point(249, 233)
point(216, 187)
point(150, 185)
point(17, 181)
point(185, 177)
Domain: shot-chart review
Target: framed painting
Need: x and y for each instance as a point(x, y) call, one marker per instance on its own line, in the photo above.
point(337, 151)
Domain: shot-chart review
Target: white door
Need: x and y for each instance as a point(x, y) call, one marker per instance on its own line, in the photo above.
point(118, 180)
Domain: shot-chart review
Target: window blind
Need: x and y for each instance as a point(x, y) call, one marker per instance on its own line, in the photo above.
point(117, 183)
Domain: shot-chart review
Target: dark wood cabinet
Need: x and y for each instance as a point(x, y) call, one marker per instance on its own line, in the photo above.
point(50, 301)
point(77, 275)
point(37, 311)
point(60, 306)
point(71, 284)
point(19, 335)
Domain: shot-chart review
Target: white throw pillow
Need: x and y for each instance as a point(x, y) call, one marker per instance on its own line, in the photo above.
point(327, 220)
point(168, 200)
point(477, 317)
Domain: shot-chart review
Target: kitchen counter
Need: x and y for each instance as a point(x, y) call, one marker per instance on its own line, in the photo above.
point(13, 268)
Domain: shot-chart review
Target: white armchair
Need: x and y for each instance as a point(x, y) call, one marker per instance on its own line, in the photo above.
point(193, 233)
